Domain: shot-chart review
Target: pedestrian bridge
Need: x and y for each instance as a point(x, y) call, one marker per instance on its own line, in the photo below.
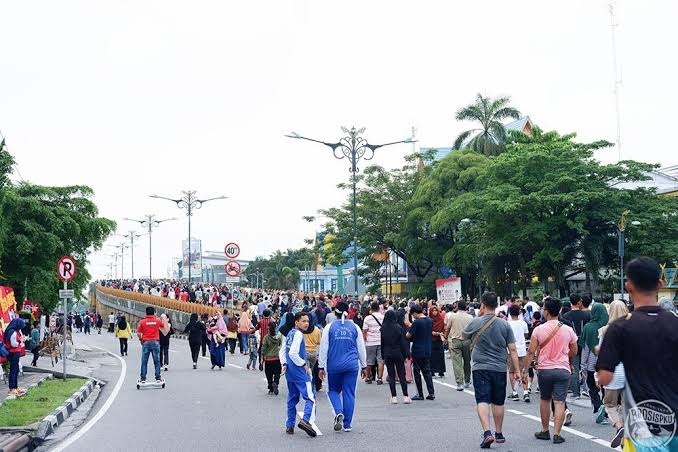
point(133, 305)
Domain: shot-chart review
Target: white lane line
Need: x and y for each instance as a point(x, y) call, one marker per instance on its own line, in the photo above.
point(85, 428)
point(233, 365)
point(315, 427)
point(583, 435)
point(453, 387)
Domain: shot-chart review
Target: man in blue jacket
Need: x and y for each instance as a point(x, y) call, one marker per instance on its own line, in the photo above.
point(293, 360)
point(342, 354)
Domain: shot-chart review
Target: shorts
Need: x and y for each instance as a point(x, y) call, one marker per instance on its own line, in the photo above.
point(521, 363)
point(489, 386)
point(553, 384)
point(374, 355)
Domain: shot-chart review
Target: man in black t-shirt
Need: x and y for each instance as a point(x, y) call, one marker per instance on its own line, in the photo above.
point(578, 317)
point(646, 342)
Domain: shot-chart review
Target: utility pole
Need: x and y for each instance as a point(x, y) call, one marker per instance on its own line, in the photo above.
point(132, 235)
point(617, 78)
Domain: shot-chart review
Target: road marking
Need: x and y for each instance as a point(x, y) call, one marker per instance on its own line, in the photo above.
point(233, 365)
point(85, 428)
point(583, 435)
point(315, 427)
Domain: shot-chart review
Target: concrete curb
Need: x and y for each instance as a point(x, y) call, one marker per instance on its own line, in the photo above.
point(47, 426)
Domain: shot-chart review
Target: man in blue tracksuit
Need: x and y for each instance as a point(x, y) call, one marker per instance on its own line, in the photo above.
point(293, 360)
point(342, 354)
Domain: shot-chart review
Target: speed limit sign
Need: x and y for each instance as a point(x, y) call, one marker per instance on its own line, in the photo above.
point(232, 250)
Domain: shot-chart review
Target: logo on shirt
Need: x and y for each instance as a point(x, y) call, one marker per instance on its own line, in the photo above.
point(651, 423)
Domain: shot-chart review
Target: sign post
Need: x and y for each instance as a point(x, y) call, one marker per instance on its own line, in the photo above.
point(66, 271)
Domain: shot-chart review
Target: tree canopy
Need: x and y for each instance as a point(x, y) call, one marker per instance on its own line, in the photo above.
point(40, 224)
point(490, 137)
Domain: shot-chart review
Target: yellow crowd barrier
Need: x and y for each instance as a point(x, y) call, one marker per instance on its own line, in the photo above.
point(176, 305)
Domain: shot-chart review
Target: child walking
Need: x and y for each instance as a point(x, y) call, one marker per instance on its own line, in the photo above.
point(270, 354)
point(253, 346)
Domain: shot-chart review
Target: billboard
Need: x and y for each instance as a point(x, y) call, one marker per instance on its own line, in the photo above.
point(196, 254)
point(7, 306)
point(448, 290)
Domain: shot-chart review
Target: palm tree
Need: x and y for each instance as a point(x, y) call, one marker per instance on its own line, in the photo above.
point(489, 139)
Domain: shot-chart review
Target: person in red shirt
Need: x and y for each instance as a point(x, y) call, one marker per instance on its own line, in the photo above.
point(148, 332)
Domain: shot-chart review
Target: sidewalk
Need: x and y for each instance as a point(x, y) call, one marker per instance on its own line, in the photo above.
point(27, 381)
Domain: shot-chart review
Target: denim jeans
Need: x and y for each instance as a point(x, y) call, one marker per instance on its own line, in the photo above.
point(153, 348)
point(574, 378)
point(243, 342)
point(13, 359)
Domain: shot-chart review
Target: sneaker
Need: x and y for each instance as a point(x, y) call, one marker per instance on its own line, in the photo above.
point(526, 397)
point(394, 400)
point(348, 429)
point(338, 422)
point(430, 397)
point(418, 397)
point(270, 392)
point(557, 439)
point(248, 366)
point(467, 385)
point(275, 389)
point(158, 380)
point(166, 369)
point(380, 382)
point(515, 397)
point(600, 417)
point(369, 382)
point(290, 430)
point(543, 435)
point(499, 437)
point(460, 388)
point(488, 439)
point(142, 381)
point(585, 393)
point(407, 400)
point(195, 365)
point(618, 437)
point(568, 417)
point(307, 427)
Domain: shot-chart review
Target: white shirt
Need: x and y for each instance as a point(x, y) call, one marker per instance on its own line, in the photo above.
point(519, 328)
point(111, 318)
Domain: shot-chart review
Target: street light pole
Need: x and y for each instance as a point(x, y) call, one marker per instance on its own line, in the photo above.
point(353, 147)
point(149, 221)
point(189, 202)
point(132, 235)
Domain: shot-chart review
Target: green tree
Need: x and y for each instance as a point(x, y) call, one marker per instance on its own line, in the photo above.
point(490, 137)
point(40, 224)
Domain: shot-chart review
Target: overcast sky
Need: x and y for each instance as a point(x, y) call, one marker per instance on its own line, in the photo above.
point(141, 97)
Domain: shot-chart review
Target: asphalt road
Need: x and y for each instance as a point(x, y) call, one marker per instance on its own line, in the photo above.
point(230, 409)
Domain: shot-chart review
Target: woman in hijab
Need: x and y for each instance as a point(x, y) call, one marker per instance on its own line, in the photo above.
point(13, 341)
point(195, 330)
point(394, 350)
point(123, 332)
point(217, 337)
point(612, 400)
point(587, 344)
point(437, 348)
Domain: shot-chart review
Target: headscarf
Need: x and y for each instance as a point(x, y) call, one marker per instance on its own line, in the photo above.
point(438, 320)
point(13, 327)
point(618, 309)
point(589, 334)
point(122, 323)
point(390, 330)
point(667, 303)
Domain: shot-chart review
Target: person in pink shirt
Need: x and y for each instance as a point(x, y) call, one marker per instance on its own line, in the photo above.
point(552, 345)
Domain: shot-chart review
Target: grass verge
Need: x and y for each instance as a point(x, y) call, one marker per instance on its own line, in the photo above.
point(38, 402)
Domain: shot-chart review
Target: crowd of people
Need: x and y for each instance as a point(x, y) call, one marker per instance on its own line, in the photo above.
point(616, 355)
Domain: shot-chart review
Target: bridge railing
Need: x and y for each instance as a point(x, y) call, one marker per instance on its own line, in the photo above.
point(135, 303)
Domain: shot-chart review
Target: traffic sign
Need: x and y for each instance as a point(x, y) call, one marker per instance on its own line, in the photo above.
point(232, 268)
point(67, 293)
point(232, 250)
point(66, 269)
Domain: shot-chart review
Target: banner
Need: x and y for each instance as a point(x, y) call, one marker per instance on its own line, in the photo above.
point(7, 306)
point(448, 290)
point(196, 255)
